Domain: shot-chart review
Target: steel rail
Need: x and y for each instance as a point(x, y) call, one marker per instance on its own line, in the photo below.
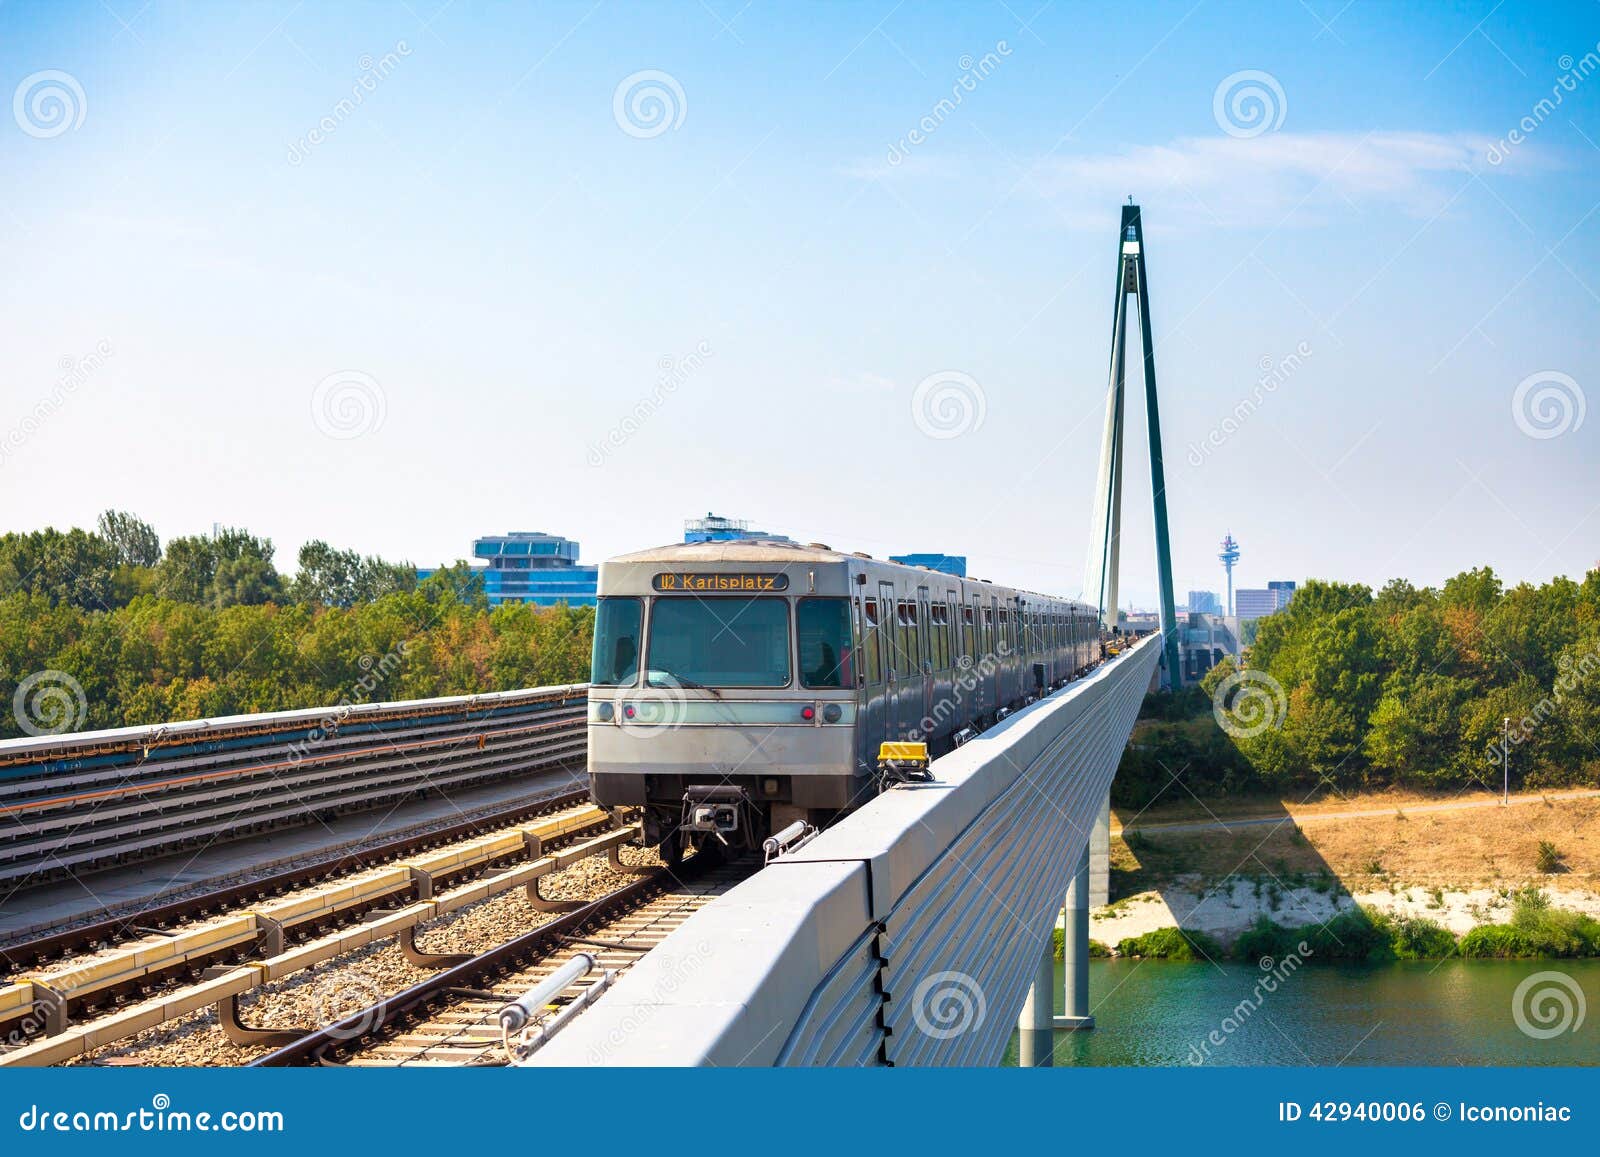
point(324, 1046)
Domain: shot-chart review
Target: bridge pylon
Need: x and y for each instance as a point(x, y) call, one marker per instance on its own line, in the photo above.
point(1105, 538)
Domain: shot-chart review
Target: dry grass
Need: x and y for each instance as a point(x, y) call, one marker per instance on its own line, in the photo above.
point(1473, 847)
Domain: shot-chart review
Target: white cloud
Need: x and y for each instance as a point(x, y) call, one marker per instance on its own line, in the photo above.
point(1289, 178)
point(1277, 179)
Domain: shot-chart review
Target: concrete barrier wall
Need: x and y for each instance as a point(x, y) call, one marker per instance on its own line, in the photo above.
point(906, 934)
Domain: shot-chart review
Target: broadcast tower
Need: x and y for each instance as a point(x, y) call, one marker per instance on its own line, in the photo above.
point(1229, 556)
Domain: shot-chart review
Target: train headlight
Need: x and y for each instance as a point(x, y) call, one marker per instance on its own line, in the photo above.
point(832, 713)
point(604, 711)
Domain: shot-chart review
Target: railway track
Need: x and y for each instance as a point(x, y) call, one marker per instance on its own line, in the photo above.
point(452, 1019)
point(100, 994)
point(40, 951)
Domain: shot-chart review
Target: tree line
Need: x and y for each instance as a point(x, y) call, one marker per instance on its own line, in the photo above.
point(206, 625)
point(1411, 686)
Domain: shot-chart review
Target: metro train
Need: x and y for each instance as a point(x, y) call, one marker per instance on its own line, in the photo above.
point(741, 687)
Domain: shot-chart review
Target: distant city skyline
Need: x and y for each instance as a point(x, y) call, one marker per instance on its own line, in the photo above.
point(342, 273)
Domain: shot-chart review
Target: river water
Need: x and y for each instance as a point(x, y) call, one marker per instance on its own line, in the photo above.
point(1452, 1012)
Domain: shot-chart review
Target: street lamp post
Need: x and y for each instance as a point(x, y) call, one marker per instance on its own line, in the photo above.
point(1505, 762)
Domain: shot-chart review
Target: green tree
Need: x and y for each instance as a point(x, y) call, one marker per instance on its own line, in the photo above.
point(231, 568)
point(74, 567)
point(343, 578)
point(133, 541)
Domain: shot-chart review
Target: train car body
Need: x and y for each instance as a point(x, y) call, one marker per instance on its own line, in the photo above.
point(765, 675)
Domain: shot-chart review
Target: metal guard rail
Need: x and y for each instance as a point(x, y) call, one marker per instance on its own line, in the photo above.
point(77, 801)
point(906, 934)
point(80, 750)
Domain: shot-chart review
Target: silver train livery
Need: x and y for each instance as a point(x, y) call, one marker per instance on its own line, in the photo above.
point(739, 687)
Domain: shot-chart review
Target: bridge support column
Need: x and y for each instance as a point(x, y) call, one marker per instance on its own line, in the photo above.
point(1100, 857)
point(1075, 950)
point(1036, 1026)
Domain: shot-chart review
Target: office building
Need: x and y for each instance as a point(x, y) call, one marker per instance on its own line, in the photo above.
point(1258, 602)
point(715, 528)
point(532, 567)
point(1203, 640)
point(954, 564)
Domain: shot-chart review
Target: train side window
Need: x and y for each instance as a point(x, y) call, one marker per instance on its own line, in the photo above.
point(822, 629)
point(869, 640)
point(889, 609)
point(912, 649)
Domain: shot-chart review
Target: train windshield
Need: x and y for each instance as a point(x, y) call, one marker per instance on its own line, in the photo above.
point(616, 643)
point(823, 628)
point(719, 642)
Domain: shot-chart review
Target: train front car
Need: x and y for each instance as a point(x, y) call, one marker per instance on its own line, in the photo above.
point(723, 695)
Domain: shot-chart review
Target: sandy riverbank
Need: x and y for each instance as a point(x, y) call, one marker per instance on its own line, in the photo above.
point(1226, 911)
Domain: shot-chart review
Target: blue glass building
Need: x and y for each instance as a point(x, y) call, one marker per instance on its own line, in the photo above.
point(715, 528)
point(955, 564)
point(532, 567)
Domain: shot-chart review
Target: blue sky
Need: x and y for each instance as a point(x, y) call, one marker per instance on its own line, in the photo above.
point(400, 321)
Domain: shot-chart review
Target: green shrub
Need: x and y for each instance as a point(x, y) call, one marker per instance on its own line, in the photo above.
point(1536, 930)
point(1497, 941)
point(1266, 937)
point(1418, 938)
point(1549, 858)
point(1357, 934)
point(1171, 944)
point(1058, 941)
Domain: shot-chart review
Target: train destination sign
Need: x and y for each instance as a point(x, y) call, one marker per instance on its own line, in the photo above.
point(719, 582)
